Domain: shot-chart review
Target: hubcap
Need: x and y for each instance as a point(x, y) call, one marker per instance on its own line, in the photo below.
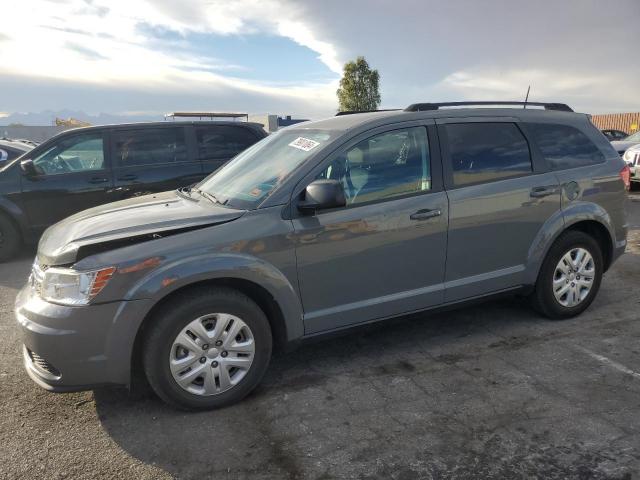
point(573, 277)
point(202, 369)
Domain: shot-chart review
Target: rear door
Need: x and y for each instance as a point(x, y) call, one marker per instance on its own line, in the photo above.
point(152, 159)
point(217, 144)
point(73, 175)
point(500, 195)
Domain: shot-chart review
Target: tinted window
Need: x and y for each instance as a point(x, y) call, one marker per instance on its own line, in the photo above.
point(384, 166)
point(223, 142)
point(564, 146)
point(484, 152)
point(72, 154)
point(8, 153)
point(149, 146)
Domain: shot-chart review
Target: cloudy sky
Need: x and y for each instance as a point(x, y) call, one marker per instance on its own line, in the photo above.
point(148, 57)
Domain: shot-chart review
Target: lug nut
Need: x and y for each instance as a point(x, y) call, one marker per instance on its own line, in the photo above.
point(573, 284)
point(224, 354)
point(218, 343)
point(205, 346)
point(214, 364)
point(203, 359)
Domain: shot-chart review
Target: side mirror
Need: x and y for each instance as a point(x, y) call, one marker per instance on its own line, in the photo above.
point(321, 194)
point(28, 168)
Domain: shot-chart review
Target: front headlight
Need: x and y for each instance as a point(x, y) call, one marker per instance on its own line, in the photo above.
point(70, 287)
point(628, 155)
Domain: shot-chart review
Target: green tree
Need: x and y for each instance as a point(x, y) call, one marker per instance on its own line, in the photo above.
point(359, 87)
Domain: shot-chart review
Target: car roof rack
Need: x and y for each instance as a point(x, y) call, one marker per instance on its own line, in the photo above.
point(352, 112)
point(421, 107)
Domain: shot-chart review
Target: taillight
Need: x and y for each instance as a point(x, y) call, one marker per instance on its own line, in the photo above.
point(625, 175)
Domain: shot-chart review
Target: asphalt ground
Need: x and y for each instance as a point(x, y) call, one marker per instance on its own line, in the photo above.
point(489, 391)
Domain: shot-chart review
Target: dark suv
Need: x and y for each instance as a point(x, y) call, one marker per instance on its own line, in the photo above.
point(318, 228)
point(85, 167)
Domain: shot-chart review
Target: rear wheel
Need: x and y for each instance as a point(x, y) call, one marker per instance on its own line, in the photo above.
point(208, 349)
point(570, 276)
point(9, 239)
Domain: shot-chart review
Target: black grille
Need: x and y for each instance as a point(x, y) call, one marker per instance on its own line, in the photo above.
point(42, 364)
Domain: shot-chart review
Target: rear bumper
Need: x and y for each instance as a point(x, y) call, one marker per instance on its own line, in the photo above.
point(72, 348)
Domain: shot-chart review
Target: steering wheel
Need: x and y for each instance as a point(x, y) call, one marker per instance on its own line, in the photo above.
point(55, 165)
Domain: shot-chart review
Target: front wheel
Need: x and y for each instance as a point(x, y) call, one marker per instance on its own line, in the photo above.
point(570, 276)
point(207, 349)
point(9, 239)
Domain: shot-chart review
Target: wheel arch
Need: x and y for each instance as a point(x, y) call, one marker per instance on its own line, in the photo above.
point(588, 218)
point(264, 284)
point(256, 292)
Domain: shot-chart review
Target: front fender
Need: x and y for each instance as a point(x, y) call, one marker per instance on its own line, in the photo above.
point(175, 275)
point(163, 281)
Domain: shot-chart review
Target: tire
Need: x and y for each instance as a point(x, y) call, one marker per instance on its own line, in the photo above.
point(172, 328)
point(10, 240)
point(544, 298)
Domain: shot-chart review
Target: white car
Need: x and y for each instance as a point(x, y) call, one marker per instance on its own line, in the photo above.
point(622, 146)
point(632, 158)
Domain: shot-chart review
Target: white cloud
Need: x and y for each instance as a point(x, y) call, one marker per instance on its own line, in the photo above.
point(101, 43)
point(574, 51)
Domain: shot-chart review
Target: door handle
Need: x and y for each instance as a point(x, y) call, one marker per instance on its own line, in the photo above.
point(126, 178)
point(96, 180)
point(426, 214)
point(539, 192)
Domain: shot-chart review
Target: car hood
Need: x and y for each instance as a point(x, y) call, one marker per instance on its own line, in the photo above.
point(141, 218)
point(622, 145)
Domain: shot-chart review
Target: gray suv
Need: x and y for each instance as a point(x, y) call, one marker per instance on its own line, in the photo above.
point(321, 227)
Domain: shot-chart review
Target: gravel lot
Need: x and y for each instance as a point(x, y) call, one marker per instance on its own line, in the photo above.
point(491, 391)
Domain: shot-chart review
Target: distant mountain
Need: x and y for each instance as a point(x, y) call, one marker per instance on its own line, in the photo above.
point(47, 117)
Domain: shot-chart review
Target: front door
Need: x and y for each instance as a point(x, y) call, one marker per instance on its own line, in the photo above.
point(72, 175)
point(500, 196)
point(148, 160)
point(384, 253)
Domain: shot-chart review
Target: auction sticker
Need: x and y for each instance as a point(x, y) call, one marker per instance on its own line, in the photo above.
point(305, 144)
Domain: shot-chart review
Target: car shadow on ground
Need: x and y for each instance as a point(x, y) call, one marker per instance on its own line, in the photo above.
point(317, 409)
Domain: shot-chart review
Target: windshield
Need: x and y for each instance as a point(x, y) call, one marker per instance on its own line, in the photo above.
point(633, 138)
point(248, 179)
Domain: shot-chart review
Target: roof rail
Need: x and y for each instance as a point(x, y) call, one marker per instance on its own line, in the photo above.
point(420, 107)
point(352, 112)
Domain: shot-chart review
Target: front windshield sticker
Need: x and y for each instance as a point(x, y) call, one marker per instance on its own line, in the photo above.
point(305, 144)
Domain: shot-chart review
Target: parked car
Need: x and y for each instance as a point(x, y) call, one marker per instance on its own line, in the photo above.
point(621, 146)
point(11, 149)
point(85, 167)
point(613, 134)
point(632, 158)
point(318, 228)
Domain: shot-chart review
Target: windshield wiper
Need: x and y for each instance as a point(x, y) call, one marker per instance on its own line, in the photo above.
point(208, 196)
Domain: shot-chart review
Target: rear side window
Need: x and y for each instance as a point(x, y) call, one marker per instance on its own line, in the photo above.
point(485, 152)
point(222, 142)
point(564, 146)
point(149, 146)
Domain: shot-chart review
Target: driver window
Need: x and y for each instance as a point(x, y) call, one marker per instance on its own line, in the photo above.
point(79, 153)
point(387, 165)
